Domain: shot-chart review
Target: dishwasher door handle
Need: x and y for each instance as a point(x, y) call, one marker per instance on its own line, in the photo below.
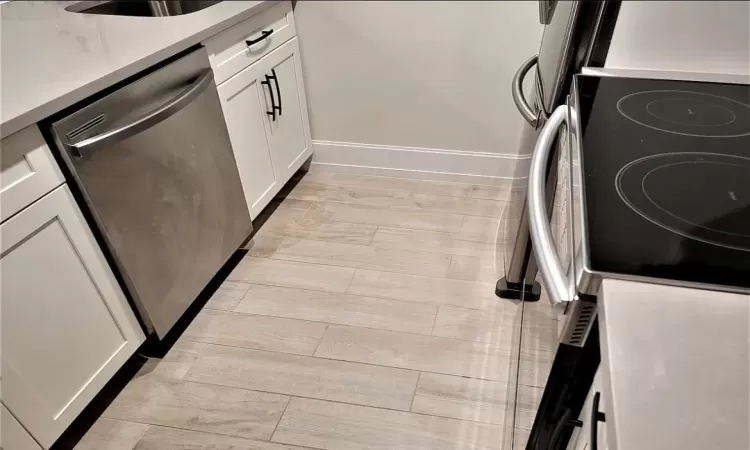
point(159, 114)
point(517, 91)
point(554, 276)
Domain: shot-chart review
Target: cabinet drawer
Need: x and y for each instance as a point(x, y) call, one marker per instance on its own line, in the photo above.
point(27, 170)
point(228, 51)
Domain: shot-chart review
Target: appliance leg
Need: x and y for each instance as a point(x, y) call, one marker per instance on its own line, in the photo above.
point(522, 266)
point(518, 291)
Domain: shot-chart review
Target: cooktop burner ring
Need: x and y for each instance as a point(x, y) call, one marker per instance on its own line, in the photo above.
point(693, 113)
point(687, 221)
point(650, 109)
point(636, 179)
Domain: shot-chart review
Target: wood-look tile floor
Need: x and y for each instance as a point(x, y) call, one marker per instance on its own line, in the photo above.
point(363, 316)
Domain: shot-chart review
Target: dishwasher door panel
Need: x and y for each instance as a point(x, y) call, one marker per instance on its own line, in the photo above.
point(167, 199)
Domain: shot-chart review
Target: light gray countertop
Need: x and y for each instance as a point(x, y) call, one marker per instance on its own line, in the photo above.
point(677, 365)
point(51, 58)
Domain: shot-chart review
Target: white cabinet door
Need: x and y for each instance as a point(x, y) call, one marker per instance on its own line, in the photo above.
point(244, 114)
point(289, 131)
point(12, 434)
point(266, 114)
point(66, 325)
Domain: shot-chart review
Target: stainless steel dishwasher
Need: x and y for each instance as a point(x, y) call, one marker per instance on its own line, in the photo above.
point(155, 166)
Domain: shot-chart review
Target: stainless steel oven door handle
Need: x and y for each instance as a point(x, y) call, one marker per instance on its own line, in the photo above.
point(523, 106)
point(159, 114)
point(553, 275)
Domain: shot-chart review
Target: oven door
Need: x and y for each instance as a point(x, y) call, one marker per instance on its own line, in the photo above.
point(554, 241)
point(575, 354)
point(540, 321)
point(551, 231)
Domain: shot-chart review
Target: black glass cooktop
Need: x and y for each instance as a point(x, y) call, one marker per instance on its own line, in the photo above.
point(666, 167)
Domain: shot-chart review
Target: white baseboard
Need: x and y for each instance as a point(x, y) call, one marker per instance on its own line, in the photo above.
point(420, 163)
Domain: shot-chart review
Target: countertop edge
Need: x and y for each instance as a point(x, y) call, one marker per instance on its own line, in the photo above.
point(676, 363)
point(57, 104)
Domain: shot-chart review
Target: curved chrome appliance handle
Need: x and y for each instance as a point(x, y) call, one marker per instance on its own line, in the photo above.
point(142, 123)
point(554, 276)
point(518, 98)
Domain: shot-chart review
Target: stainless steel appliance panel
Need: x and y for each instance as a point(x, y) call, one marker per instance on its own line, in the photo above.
point(546, 9)
point(556, 53)
point(584, 280)
point(569, 35)
point(155, 165)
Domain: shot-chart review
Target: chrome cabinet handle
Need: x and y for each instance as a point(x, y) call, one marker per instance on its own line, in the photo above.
point(160, 114)
point(517, 90)
point(554, 276)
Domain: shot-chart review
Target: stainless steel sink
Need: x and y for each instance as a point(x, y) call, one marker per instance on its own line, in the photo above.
point(141, 8)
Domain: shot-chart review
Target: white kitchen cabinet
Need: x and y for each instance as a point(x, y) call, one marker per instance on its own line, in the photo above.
point(12, 434)
point(266, 114)
point(289, 134)
point(244, 112)
point(66, 325)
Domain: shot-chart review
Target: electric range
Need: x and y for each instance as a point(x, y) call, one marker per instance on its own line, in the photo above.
point(654, 186)
point(664, 170)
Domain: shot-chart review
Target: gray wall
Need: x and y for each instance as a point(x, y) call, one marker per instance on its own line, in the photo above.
point(688, 36)
point(416, 74)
